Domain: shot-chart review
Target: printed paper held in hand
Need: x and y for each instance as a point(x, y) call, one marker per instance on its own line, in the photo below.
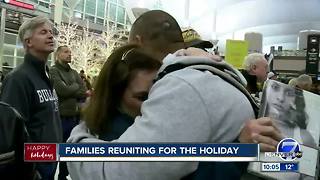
point(296, 113)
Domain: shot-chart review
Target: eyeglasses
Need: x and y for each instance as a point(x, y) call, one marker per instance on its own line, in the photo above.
point(124, 55)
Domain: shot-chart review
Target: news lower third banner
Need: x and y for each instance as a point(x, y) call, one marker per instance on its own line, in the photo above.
point(141, 152)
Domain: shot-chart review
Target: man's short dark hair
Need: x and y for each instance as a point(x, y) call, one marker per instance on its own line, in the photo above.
point(60, 47)
point(156, 26)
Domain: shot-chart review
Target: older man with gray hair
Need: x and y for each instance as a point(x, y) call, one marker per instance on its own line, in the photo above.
point(29, 90)
point(255, 70)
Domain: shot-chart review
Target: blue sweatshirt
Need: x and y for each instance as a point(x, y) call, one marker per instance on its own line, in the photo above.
point(119, 125)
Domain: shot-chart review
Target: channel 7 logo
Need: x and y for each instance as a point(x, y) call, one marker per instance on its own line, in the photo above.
point(288, 149)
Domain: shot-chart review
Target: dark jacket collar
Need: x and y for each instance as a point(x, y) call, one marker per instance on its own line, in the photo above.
point(252, 80)
point(39, 65)
point(63, 66)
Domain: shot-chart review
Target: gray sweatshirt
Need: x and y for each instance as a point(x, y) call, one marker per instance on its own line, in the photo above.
point(184, 106)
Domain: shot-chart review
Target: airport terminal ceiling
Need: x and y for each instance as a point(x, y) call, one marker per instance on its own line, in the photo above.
point(278, 20)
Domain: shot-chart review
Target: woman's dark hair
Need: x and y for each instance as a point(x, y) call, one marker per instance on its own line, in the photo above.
point(301, 118)
point(119, 69)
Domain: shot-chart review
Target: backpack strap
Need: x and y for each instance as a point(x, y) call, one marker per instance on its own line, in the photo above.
point(12, 155)
point(224, 73)
point(20, 134)
point(18, 116)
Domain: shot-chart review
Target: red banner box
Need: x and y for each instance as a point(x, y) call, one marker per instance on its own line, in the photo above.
point(40, 152)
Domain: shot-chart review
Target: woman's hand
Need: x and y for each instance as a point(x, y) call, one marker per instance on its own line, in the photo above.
point(191, 51)
point(262, 131)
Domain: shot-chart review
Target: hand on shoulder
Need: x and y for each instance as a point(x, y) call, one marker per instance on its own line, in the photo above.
point(191, 51)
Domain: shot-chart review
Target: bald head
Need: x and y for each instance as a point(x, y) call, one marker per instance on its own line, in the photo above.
point(157, 32)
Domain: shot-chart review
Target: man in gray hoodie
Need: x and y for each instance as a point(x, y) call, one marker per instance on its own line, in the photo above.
point(184, 106)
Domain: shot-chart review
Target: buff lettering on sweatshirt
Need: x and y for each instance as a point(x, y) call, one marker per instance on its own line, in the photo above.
point(45, 95)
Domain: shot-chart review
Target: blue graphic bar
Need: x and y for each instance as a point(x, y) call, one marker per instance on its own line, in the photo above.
point(158, 150)
point(289, 167)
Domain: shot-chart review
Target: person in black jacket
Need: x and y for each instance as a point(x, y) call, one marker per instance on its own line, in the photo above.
point(29, 90)
point(71, 91)
point(11, 146)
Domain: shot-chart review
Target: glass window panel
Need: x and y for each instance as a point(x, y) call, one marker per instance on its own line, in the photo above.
point(78, 14)
point(19, 61)
point(8, 61)
point(19, 45)
point(128, 20)
point(107, 10)
point(35, 1)
point(20, 52)
point(100, 21)
point(65, 4)
point(80, 6)
point(66, 10)
point(114, 1)
point(120, 2)
point(10, 38)
point(121, 14)
point(91, 6)
point(44, 4)
point(120, 26)
point(112, 11)
point(8, 50)
point(111, 24)
point(100, 10)
point(90, 18)
point(52, 10)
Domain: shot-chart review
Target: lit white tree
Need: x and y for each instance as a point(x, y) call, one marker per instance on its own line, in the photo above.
point(66, 33)
point(113, 38)
point(90, 50)
point(83, 50)
point(106, 42)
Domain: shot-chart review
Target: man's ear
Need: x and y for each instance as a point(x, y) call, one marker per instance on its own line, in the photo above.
point(253, 69)
point(28, 42)
point(138, 39)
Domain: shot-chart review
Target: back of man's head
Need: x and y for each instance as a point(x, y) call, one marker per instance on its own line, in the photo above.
point(251, 60)
point(304, 82)
point(157, 32)
point(293, 82)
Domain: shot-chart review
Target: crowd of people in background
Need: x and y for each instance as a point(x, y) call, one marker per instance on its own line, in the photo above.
point(124, 104)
